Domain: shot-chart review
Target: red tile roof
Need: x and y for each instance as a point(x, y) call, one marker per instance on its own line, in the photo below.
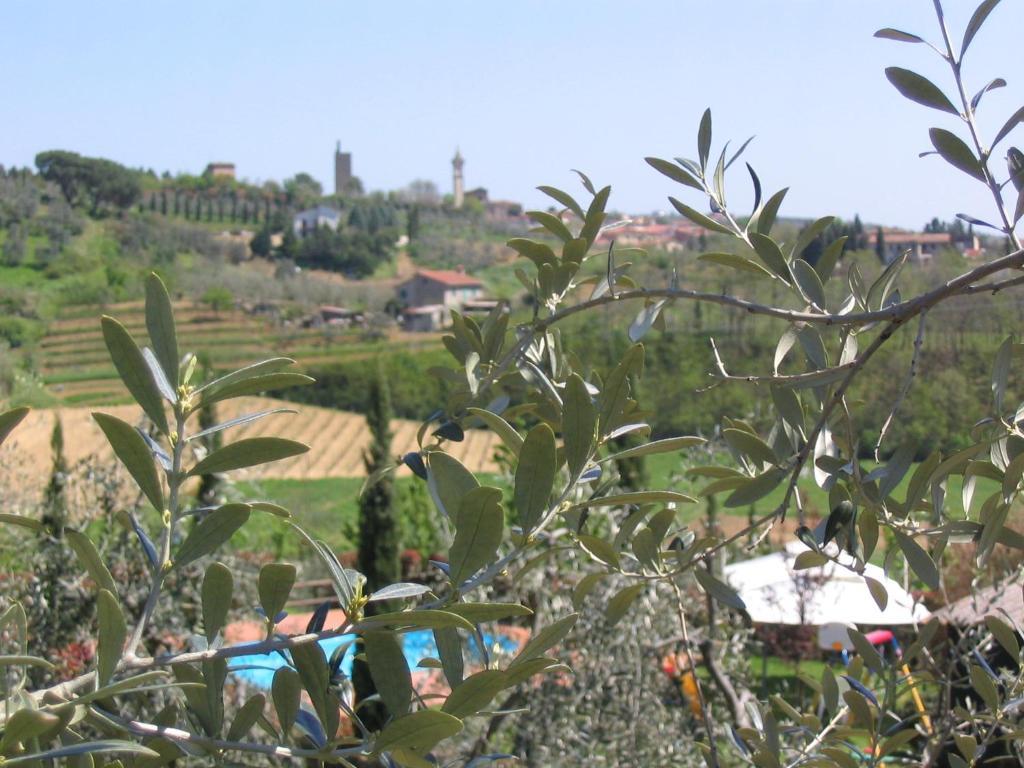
point(897, 237)
point(449, 277)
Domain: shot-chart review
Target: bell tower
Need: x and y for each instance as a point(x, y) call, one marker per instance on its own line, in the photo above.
point(458, 188)
point(342, 170)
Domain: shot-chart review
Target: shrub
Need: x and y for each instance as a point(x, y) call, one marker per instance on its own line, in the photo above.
point(621, 553)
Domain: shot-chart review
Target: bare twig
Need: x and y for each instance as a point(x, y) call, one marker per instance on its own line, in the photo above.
point(705, 714)
point(963, 284)
point(968, 117)
point(820, 738)
point(186, 737)
point(905, 389)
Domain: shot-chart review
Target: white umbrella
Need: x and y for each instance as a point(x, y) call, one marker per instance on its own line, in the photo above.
point(774, 593)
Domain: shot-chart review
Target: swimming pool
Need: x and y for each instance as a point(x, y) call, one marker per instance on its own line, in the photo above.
point(259, 669)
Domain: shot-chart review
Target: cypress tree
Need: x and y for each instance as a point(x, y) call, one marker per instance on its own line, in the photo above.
point(378, 534)
point(857, 239)
point(289, 244)
point(880, 245)
point(260, 244)
point(55, 503)
point(413, 223)
point(209, 493)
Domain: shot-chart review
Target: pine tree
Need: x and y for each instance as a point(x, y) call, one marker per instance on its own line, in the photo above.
point(379, 545)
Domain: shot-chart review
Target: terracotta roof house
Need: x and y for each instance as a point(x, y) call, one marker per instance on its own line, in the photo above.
point(922, 245)
point(220, 170)
point(440, 290)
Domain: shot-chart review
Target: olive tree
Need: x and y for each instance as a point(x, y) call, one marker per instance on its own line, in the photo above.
point(566, 505)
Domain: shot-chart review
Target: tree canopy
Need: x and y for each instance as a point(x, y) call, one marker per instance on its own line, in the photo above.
point(92, 181)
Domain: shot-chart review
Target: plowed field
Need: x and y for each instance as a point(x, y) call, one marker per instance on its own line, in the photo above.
point(337, 440)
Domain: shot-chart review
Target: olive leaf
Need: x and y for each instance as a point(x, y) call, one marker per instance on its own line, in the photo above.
point(112, 634)
point(535, 476)
point(134, 453)
point(134, 371)
point(275, 585)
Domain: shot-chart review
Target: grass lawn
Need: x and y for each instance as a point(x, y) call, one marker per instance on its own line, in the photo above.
point(327, 509)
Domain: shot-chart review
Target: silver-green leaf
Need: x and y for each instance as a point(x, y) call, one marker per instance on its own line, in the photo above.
point(248, 452)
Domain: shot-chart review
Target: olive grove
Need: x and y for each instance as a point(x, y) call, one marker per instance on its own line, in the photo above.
point(561, 423)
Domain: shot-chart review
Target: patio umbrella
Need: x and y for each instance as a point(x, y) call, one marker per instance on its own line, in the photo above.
point(775, 593)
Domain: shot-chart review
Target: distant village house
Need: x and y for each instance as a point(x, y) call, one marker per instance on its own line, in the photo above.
point(308, 221)
point(220, 171)
point(922, 245)
point(645, 233)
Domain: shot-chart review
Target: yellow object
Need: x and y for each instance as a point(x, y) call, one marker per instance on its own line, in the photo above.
point(688, 685)
point(925, 720)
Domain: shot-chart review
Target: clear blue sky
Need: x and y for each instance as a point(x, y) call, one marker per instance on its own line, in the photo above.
point(528, 90)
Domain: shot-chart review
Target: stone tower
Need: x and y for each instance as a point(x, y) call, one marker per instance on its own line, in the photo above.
point(342, 170)
point(458, 189)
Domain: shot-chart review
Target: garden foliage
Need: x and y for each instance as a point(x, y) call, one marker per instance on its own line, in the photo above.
point(566, 504)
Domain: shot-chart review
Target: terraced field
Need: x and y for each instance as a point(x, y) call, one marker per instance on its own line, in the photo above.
point(337, 440)
point(73, 362)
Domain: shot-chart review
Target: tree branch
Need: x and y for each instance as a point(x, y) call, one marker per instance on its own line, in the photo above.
point(962, 284)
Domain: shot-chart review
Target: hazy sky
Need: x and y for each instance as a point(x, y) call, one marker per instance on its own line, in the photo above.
point(527, 90)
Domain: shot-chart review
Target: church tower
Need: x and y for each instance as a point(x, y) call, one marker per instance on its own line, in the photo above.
point(342, 170)
point(458, 189)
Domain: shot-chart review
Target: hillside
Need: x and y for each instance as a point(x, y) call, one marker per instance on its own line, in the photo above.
point(75, 367)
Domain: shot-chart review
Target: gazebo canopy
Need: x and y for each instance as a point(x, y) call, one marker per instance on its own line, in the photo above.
point(775, 593)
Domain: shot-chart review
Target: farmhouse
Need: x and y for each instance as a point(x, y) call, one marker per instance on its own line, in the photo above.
point(430, 294)
point(922, 245)
point(311, 219)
